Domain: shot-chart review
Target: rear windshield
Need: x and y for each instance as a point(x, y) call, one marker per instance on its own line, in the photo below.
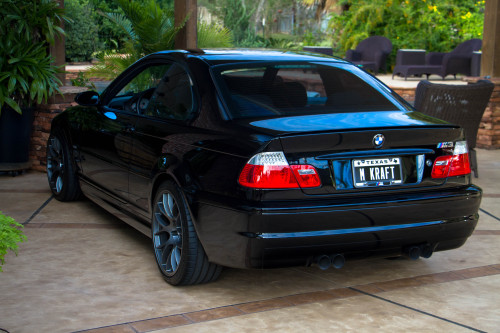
point(296, 89)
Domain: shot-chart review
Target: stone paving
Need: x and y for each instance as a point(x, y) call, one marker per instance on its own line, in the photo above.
point(83, 270)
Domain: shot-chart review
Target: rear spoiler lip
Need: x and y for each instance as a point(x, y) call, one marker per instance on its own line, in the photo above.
point(375, 153)
point(360, 129)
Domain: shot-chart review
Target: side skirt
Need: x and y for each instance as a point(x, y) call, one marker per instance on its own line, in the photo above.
point(114, 206)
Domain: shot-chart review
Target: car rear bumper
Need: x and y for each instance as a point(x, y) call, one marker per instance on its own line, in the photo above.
point(287, 234)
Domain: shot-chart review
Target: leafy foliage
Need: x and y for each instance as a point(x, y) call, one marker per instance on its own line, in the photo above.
point(10, 235)
point(149, 28)
point(237, 16)
point(81, 31)
point(26, 72)
point(110, 36)
point(422, 24)
point(27, 28)
point(32, 21)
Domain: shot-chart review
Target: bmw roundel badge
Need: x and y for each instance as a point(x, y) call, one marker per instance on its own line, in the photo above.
point(378, 140)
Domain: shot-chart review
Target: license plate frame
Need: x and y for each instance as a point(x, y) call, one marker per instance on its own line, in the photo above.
point(377, 172)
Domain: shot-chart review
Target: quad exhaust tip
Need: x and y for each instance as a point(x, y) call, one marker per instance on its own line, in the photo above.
point(417, 251)
point(324, 261)
point(338, 261)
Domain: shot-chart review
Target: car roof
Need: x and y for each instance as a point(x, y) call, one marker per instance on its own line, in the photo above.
point(219, 56)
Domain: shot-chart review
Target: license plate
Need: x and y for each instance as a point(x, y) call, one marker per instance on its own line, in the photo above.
point(375, 172)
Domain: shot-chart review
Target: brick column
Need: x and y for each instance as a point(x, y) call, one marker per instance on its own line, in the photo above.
point(44, 114)
point(488, 135)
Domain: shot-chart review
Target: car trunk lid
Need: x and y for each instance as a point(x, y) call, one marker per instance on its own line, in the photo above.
point(354, 161)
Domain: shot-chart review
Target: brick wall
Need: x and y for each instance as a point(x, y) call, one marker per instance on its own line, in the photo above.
point(407, 93)
point(488, 135)
point(41, 124)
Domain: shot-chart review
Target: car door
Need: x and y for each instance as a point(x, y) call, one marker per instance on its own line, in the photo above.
point(161, 136)
point(107, 137)
point(105, 147)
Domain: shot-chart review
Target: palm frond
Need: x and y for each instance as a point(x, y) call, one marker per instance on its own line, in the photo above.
point(213, 35)
point(121, 21)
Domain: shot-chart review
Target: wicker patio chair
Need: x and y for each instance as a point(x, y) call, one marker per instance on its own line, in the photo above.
point(462, 105)
point(455, 62)
point(371, 53)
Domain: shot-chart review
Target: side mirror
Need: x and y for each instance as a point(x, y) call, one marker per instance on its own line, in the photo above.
point(87, 98)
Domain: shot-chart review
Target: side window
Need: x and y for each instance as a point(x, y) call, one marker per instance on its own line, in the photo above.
point(173, 97)
point(135, 95)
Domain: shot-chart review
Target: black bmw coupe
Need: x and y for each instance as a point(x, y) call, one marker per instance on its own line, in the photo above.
point(256, 159)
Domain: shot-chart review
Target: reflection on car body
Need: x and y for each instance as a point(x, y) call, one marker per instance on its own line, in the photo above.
point(257, 159)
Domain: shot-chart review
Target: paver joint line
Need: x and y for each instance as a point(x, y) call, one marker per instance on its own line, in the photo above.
point(419, 311)
point(487, 213)
point(38, 210)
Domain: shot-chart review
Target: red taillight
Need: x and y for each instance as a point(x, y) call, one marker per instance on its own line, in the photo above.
point(267, 176)
point(452, 165)
point(271, 171)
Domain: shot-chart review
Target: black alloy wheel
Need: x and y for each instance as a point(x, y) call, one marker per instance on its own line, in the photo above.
point(61, 169)
point(178, 252)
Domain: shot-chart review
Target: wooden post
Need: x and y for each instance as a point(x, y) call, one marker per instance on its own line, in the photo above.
point(187, 36)
point(58, 51)
point(490, 57)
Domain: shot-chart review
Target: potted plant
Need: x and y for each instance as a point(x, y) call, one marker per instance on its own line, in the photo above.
point(10, 235)
point(27, 72)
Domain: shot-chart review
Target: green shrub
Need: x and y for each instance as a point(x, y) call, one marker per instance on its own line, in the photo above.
point(10, 235)
point(81, 31)
point(81, 80)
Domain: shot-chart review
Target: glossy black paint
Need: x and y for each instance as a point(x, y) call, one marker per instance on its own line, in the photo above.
point(123, 157)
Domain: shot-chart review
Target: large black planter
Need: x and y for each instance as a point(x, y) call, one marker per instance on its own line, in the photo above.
point(15, 135)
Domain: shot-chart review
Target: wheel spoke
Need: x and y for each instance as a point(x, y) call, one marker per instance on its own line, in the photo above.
point(169, 205)
point(162, 221)
point(59, 184)
point(161, 208)
point(175, 258)
point(56, 148)
point(53, 176)
point(166, 239)
point(165, 258)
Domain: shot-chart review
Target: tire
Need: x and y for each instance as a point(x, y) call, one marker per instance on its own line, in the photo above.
point(61, 169)
point(178, 252)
